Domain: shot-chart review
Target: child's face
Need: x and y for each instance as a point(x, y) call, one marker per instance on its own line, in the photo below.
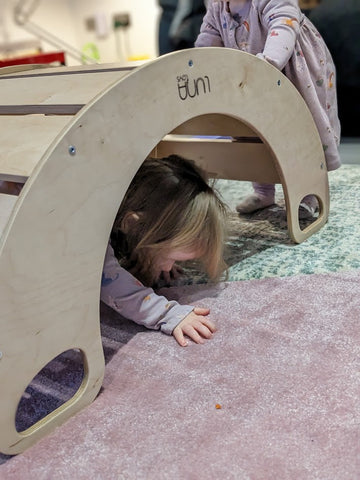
point(166, 262)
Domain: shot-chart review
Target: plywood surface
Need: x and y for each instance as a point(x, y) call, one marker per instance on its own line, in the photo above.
point(56, 86)
point(24, 140)
point(223, 158)
point(214, 124)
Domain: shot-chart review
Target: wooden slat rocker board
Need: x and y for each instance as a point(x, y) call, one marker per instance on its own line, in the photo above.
point(76, 137)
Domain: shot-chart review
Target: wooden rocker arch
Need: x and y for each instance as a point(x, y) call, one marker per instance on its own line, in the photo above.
point(77, 136)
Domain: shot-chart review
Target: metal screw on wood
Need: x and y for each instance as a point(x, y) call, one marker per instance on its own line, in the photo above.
point(72, 150)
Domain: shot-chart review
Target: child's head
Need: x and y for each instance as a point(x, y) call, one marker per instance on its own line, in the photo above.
point(169, 214)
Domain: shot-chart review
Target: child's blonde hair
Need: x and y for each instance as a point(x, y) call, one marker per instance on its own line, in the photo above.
point(175, 209)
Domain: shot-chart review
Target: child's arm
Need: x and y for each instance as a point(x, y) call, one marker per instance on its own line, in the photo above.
point(210, 31)
point(282, 20)
point(124, 293)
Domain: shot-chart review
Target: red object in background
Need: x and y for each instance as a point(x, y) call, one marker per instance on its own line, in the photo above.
point(37, 58)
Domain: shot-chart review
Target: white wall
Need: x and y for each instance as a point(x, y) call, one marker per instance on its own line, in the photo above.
point(140, 39)
point(66, 19)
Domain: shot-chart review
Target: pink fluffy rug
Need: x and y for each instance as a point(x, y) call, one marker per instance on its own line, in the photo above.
point(284, 367)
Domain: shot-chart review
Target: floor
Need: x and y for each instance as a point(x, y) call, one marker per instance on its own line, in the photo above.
point(273, 395)
point(350, 150)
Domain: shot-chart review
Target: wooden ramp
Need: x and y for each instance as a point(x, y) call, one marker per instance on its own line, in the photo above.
point(76, 136)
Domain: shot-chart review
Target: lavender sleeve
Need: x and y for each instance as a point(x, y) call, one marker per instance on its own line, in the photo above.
point(209, 35)
point(125, 294)
point(282, 21)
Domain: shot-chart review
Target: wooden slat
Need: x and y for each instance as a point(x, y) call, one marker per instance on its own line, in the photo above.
point(214, 124)
point(20, 68)
point(7, 203)
point(57, 86)
point(25, 70)
point(24, 140)
point(69, 109)
point(224, 158)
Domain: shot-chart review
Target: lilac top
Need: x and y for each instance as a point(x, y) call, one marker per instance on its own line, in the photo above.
point(125, 294)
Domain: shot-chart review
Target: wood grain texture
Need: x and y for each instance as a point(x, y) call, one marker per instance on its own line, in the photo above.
point(24, 140)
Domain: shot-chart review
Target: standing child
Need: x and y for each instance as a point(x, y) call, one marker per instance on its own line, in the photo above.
point(169, 214)
point(279, 33)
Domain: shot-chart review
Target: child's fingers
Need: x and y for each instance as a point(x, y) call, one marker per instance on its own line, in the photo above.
point(199, 331)
point(201, 311)
point(209, 325)
point(179, 337)
point(204, 330)
point(193, 334)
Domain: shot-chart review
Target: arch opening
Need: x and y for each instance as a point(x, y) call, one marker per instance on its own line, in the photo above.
point(310, 208)
point(56, 383)
point(224, 146)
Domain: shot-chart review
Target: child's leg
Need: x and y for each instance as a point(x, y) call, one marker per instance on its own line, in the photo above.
point(263, 196)
point(308, 207)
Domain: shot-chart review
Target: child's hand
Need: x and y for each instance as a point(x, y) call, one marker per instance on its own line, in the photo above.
point(174, 273)
point(195, 326)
